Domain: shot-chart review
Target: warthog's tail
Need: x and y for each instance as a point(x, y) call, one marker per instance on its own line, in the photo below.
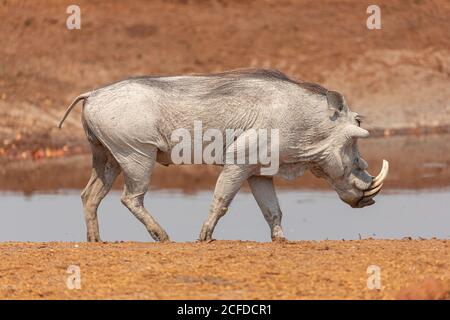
point(80, 97)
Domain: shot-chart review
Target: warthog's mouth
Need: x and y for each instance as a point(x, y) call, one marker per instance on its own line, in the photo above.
point(374, 188)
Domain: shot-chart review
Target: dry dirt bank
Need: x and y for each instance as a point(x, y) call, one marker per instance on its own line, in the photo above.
point(397, 77)
point(227, 270)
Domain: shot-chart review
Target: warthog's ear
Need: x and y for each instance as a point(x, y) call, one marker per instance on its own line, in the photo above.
point(352, 131)
point(336, 104)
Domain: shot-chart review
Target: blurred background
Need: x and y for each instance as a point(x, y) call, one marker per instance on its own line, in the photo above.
point(397, 77)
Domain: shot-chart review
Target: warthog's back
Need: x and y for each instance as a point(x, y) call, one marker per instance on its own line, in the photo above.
point(129, 115)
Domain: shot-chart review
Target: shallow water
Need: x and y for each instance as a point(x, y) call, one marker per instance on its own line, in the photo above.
point(307, 216)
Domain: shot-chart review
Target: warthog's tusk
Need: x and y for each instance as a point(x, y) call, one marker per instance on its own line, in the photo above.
point(377, 182)
point(381, 176)
point(373, 192)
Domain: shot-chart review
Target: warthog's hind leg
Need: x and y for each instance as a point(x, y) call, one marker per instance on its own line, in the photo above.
point(137, 175)
point(105, 170)
point(264, 192)
point(228, 184)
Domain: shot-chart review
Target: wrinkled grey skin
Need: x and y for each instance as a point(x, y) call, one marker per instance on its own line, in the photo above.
point(129, 126)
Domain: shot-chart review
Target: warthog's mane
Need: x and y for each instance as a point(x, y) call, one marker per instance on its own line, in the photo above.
point(263, 74)
point(270, 74)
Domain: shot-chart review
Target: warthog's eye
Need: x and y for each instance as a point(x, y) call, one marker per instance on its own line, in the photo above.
point(358, 119)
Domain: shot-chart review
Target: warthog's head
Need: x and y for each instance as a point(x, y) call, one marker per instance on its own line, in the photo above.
point(341, 165)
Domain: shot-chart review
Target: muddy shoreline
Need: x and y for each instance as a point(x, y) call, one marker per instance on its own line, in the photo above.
point(417, 162)
point(36, 147)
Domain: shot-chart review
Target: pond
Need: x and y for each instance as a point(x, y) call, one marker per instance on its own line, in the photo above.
point(308, 215)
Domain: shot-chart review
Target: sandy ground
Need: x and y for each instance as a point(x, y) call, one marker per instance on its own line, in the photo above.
point(227, 270)
point(397, 77)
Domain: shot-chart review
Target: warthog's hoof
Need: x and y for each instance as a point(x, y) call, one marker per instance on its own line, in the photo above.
point(159, 235)
point(163, 238)
point(93, 239)
point(208, 240)
point(279, 239)
point(205, 234)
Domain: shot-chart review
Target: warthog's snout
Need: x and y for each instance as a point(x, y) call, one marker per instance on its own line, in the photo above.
point(374, 188)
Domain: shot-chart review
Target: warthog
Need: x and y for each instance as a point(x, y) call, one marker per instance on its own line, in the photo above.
point(129, 126)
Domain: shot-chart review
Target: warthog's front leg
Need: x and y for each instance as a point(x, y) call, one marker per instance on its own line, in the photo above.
point(228, 184)
point(264, 192)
